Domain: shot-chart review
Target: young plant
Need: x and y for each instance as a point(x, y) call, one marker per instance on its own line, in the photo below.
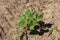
point(29, 18)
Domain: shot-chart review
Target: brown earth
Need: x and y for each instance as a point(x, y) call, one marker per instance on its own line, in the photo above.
point(10, 11)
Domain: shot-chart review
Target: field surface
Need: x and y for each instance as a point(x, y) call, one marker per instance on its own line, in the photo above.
point(11, 10)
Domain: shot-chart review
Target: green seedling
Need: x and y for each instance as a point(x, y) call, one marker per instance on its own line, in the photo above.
point(30, 18)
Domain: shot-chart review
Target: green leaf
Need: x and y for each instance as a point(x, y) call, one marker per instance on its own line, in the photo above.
point(23, 17)
point(31, 27)
point(22, 24)
point(28, 12)
point(34, 22)
point(29, 20)
point(39, 16)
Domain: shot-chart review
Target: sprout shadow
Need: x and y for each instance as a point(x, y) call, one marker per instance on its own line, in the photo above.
point(42, 28)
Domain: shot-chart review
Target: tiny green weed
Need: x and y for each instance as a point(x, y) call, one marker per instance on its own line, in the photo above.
point(30, 18)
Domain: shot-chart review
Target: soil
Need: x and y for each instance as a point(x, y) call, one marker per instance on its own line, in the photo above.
point(11, 10)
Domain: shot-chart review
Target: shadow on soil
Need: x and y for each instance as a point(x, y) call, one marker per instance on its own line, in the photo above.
point(42, 28)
